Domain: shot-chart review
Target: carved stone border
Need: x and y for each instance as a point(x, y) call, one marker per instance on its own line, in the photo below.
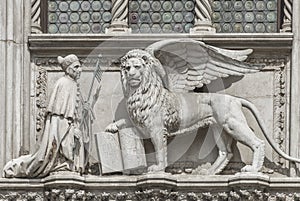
point(278, 66)
point(41, 99)
point(29, 196)
point(279, 112)
point(150, 194)
point(88, 63)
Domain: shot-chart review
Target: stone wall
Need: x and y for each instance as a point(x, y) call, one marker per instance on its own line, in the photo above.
point(29, 69)
point(15, 79)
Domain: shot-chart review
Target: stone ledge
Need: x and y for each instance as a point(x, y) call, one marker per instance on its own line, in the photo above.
point(195, 182)
point(109, 44)
point(258, 187)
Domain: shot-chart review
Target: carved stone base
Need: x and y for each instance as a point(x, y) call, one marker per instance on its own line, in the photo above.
point(118, 27)
point(258, 187)
point(286, 26)
point(203, 27)
point(36, 28)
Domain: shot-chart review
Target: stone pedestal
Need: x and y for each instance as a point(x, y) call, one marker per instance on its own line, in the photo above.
point(203, 27)
point(287, 26)
point(118, 27)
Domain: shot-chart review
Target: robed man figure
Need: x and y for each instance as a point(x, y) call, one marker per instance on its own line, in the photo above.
point(64, 143)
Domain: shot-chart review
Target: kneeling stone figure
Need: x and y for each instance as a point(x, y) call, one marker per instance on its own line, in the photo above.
point(63, 142)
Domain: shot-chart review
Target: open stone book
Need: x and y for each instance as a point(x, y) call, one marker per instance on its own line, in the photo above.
point(115, 159)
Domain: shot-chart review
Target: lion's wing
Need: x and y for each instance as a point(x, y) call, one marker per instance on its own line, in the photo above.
point(191, 64)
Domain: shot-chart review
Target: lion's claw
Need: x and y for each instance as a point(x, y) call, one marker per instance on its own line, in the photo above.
point(249, 168)
point(112, 128)
point(156, 168)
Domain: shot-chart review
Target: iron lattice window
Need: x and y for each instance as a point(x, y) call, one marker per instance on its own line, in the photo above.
point(245, 16)
point(162, 16)
point(80, 16)
point(158, 16)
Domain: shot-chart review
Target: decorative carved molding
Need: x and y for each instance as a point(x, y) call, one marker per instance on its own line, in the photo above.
point(279, 112)
point(119, 22)
point(203, 20)
point(279, 103)
point(288, 14)
point(41, 100)
point(29, 196)
point(151, 194)
point(254, 195)
point(270, 63)
point(156, 194)
point(36, 16)
point(88, 63)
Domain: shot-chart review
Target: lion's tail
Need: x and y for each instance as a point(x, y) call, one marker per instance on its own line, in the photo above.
point(261, 124)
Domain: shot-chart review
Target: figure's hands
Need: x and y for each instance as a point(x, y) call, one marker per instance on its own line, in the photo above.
point(112, 128)
point(87, 110)
point(87, 106)
point(77, 133)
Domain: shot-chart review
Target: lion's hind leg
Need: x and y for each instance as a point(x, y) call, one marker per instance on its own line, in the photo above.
point(238, 128)
point(224, 147)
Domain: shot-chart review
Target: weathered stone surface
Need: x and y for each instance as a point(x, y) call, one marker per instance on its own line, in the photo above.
point(275, 93)
point(111, 107)
point(125, 147)
point(15, 76)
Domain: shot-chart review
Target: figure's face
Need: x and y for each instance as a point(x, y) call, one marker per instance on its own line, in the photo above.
point(74, 71)
point(133, 71)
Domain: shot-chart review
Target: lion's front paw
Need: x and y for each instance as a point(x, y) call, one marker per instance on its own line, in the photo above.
point(249, 168)
point(156, 168)
point(112, 128)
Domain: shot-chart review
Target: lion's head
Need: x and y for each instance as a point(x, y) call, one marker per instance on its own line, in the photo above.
point(142, 78)
point(138, 67)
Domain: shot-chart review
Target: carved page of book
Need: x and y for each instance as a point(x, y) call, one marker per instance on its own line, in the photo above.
point(120, 151)
point(133, 151)
point(109, 152)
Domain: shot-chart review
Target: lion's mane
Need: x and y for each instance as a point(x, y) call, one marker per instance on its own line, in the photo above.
point(150, 97)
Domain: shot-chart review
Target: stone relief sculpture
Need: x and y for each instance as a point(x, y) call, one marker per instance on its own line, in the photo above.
point(159, 82)
point(64, 141)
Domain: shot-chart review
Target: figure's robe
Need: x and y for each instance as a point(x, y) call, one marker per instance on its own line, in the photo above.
point(61, 144)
